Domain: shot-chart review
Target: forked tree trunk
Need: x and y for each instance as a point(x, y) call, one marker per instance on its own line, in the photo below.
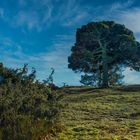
point(104, 65)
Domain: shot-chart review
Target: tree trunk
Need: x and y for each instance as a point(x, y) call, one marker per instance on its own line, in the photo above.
point(99, 76)
point(105, 75)
point(104, 64)
point(105, 67)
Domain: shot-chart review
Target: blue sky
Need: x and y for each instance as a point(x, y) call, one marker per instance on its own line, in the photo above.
point(41, 32)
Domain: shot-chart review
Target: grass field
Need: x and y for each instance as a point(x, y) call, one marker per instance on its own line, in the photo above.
point(100, 114)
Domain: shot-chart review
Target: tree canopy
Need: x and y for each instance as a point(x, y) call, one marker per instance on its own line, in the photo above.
point(101, 46)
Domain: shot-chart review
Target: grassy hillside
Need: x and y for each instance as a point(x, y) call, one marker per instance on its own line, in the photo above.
point(101, 114)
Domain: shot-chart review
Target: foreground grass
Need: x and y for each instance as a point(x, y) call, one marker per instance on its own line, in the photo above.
point(100, 114)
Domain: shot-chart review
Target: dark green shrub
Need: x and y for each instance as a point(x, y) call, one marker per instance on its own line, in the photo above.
point(28, 108)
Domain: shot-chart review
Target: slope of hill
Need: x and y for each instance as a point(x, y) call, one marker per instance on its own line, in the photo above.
point(100, 114)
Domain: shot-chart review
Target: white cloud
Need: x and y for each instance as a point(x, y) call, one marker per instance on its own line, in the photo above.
point(72, 13)
point(77, 19)
point(30, 19)
point(34, 14)
point(131, 18)
point(120, 6)
point(13, 56)
point(48, 12)
point(30, 14)
point(12, 53)
point(57, 58)
point(131, 77)
point(124, 14)
point(39, 14)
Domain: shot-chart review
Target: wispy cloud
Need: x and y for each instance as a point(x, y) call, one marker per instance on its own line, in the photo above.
point(34, 14)
point(29, 19)
point(1, 12)
point(77, 19)
point(30, 14)
point(117, 6)
point(125, 14)
point(72, 12)
point(57, 57)
point(13, 56)
point(131, 18)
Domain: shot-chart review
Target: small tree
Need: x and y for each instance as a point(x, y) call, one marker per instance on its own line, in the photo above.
point(100, 46)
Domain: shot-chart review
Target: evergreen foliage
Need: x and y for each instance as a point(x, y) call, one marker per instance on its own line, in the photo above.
point(101, 46)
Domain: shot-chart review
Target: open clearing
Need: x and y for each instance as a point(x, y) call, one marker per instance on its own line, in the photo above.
point(100, 114)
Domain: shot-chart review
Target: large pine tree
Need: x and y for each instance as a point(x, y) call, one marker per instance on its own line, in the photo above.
point(102, 45)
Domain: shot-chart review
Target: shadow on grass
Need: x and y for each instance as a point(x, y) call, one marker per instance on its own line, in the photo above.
point(129, 88)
